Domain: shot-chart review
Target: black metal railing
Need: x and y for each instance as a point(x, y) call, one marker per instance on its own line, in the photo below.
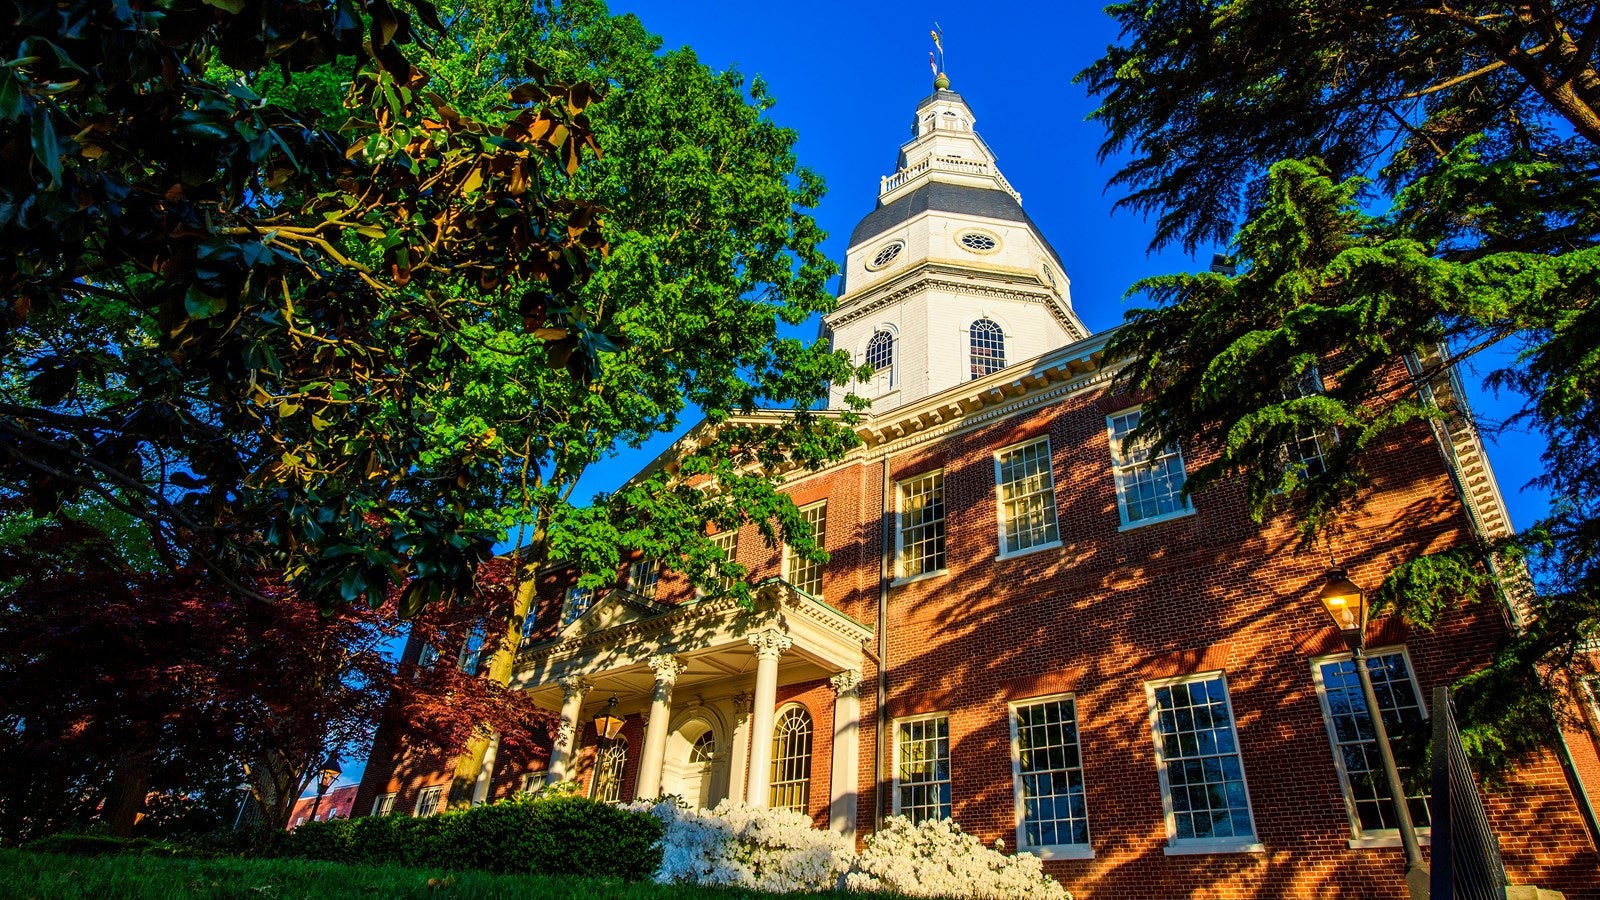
point(1466, 854)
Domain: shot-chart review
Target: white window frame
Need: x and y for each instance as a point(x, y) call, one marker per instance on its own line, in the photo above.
point(792, 559)
point(730, 553)
point(1177, 846)
point(437, 791)
point(383, 804)
point(1364, 839)
point(1307, 384)
point(1119, 467)
point(470, 658)
point(569, 599)
point(949, 760)
point(1000, 502)
point(887, 379)
point(1044, 851)
point(901, 527)
point(810, 742)
point(603, 755)
point(530, 782)
point(638, 570)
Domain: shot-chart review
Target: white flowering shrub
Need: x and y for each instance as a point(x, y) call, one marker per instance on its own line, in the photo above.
point(937, 859)
point(774, 850)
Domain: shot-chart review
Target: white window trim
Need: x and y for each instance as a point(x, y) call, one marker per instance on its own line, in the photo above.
point(895, 754)
point(416, 811)
point(383, 804)
point(900, 531)
point(1177, 846)
point(1043, 851)
point(1379, 838)
point(811, 751)
point(893, 383)
point(999, 503)
point(789, 556)
point(1116, 480)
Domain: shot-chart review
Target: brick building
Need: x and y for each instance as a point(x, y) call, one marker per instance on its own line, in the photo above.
point(1022, 626)
point(336, 804)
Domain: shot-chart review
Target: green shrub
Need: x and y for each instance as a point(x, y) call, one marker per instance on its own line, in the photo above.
point(551, 835)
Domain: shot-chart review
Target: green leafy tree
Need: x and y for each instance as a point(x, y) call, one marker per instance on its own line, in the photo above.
point(1477, 126)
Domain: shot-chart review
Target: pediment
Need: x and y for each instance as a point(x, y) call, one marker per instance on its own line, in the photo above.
point(616, 607)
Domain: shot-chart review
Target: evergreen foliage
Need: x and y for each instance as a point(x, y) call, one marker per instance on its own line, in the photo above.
point(1395, 179)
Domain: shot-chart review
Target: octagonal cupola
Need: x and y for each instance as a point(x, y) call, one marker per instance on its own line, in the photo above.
point(947, 279)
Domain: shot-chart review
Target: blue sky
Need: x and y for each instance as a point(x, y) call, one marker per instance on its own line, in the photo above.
point(847, 77)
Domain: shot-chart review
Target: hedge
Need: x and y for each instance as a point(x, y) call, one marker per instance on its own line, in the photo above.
point(555, 835)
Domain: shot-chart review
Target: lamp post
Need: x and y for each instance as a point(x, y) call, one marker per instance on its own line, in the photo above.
point(606, 725)
point(1347, 606)
point(325, 779)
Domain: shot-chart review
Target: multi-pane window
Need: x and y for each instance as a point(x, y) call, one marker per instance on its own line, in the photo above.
point(922, 525)
point(1049, 772)
point(1307, 450)
point(1199, 762)
point(922, 768)
point(805, 574)
point(383, 804)
point(643, 577)
point(428, 801)
point(530, 782)
point(880, 358)
point(987, 347)
point(578, 601)
point(1355, 745)
point(704, 749)
point(607, 786)
point(791, 760)
point(472, 651)
point(1149, 485)
point(1027, 497)
point(728, 543)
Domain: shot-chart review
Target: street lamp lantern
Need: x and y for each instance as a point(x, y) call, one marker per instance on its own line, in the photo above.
point(330, 772)
point(607, 723)
point(1346, 605)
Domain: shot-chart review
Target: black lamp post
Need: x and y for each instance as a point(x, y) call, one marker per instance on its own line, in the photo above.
point(1347, 606)
point(325, 779)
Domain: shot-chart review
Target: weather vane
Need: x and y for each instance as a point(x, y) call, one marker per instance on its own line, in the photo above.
point(941, 80)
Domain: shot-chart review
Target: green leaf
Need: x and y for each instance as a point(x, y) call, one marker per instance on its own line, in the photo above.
point(46, 148)
point(201, 305)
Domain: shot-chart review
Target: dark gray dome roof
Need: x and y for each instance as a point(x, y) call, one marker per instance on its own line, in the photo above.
point(940, 197)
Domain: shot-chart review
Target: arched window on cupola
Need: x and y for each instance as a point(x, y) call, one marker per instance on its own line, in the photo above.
point(880, 357)
point(988, 347)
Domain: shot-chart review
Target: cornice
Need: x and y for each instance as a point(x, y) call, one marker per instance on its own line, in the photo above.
point(954, 279)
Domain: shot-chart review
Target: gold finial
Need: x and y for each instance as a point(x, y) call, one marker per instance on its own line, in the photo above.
point(941, 82)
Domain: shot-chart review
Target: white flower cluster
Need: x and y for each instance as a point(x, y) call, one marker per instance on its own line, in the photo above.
point(780, 851)
point(774, 850)
point(937, 859)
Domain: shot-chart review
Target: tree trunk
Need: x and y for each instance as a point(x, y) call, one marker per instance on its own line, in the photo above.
point(130, 784)
point(470, 763)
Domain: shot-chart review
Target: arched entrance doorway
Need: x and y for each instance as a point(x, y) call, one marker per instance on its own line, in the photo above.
point(693, 765)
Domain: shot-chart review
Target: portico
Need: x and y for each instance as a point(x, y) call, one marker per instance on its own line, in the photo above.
point(704, 677)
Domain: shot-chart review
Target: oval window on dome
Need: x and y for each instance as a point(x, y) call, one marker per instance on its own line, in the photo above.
point(886, 255)
point(978, 241)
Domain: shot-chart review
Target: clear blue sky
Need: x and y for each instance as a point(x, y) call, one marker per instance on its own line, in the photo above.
point(847, 77)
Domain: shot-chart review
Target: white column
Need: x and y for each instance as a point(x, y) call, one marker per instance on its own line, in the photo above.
point(480, 788)
point(739, 758)
point(573, 688)
point(844, 785)
point(769, 646)
point(647, 786)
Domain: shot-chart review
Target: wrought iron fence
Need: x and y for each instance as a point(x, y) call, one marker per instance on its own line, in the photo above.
point(1466, 854)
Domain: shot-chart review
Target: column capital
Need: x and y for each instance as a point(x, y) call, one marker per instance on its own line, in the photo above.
point(846, 682)
point(573, 686)
point(770, 644)
point(667, 666)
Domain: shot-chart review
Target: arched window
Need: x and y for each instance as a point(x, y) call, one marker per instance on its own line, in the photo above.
point(880, 356)
point(988, 347)
point(607, 786)
point(791, 760)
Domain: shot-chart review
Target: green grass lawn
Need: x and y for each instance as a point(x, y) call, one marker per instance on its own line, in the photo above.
point(47, 876)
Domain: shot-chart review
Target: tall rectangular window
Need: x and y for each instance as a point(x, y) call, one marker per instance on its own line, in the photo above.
point(922, 525)
point(1027, 497)
point(428, 801)
point(1198, 761)
point(728, 543)
point(922, 768)
point(644, 576)
point(472, 651)
point(1149, 485)
point(1048, 771)
point(1307, 451)
point(1355, 749)
point(577, 602)
point(383, 804)
point(803, 573)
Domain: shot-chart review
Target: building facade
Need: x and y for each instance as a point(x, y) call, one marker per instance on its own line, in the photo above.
point(1024, 626)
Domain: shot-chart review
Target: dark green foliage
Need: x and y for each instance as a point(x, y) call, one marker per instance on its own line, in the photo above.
point(106, 845)
point(549, 836)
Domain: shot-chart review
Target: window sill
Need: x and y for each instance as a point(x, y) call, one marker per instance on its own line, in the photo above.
point(1053, 545)
point(936, 573)
point(1197, 846)
point(1061, 851)
point(1384, 840)
point(1155, 520)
